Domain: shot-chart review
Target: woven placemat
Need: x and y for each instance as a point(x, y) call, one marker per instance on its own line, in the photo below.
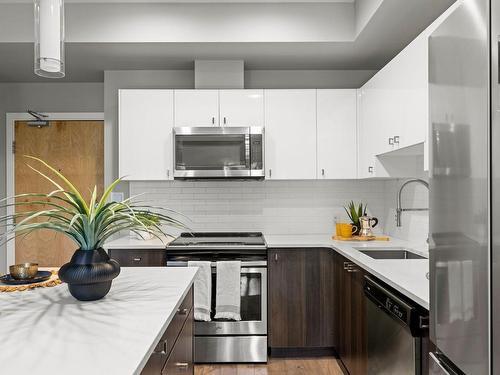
point(53, 281)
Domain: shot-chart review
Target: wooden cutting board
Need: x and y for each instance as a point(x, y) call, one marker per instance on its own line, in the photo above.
point(361, 238)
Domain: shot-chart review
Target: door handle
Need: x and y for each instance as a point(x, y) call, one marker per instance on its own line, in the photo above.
point(138, 259)
point(396, 139)
point(370, 169)
point(182, 311)
point(391, 141)
point(322, 172)
point(213, 120)
point(270, 173)
point(224, 121)
point(276, 257)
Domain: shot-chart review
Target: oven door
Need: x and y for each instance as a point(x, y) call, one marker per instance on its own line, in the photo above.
point(253, 292)
point(203, 152)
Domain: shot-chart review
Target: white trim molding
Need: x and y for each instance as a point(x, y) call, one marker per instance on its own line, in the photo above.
point(11, 118)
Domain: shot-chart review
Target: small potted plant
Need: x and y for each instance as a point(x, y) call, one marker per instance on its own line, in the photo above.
point(89, 224)
point(355, 211)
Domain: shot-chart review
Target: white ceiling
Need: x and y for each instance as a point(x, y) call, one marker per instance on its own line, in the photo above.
point(281, 36)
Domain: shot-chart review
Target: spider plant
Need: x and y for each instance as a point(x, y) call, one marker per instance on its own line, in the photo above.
point(355, 211)
point(88, 224)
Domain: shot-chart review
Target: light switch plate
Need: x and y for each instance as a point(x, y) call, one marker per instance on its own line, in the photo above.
point(117, 196)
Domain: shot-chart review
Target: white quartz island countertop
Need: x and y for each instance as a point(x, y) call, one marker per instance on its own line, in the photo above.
point(47, 331)
point(408, 276)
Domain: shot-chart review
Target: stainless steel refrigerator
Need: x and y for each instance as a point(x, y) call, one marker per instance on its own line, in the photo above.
point(465, 191)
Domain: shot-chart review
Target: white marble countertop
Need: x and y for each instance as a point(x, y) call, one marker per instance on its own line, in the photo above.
point(47, 331)
point(406, 276)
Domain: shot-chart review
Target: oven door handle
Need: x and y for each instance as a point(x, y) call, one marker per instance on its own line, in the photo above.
point(244, 265)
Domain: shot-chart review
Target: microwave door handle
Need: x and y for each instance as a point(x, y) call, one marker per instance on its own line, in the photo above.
point(248, 152)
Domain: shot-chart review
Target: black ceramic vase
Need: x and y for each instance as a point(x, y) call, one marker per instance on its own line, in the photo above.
point(89, 274)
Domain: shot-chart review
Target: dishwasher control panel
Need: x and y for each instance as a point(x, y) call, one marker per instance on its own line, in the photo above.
point(399, 307)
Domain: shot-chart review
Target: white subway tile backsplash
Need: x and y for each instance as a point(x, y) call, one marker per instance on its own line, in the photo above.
point(277, 207)
point(287, 207)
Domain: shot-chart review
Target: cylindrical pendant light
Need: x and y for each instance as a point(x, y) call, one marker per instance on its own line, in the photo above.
point(49, 38)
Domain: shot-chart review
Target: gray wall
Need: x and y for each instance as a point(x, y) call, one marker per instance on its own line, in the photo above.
point(46, 97)
point(99, 97)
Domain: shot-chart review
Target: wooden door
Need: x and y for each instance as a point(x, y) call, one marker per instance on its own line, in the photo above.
point(290, 117)
point(336, 134)
point(196, 108)
point(76, 149)
point(241, 107)
point(146, 119)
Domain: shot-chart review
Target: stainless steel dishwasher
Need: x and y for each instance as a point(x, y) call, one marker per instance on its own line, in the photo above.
point(397, 331)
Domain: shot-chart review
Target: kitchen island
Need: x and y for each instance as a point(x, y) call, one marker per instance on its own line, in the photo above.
point(47, 331)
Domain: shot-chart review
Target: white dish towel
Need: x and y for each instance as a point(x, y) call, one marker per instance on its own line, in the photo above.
point(202, 290)
point(228, 290)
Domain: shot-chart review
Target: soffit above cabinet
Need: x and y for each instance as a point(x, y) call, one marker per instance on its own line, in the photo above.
point(272, 35)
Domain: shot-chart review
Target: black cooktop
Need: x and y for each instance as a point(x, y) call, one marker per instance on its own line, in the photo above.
point(219, 239)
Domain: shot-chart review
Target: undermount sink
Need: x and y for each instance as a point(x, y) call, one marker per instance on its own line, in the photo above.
point(388, 253)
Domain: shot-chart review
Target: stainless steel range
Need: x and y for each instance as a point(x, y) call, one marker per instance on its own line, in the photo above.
point(220, 341)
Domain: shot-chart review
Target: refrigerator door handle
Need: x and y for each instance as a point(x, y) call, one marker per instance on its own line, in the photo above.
point(438, 367)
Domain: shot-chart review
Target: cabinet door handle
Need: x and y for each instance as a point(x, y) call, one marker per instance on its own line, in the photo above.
point(137, 259)
point(322, 172)
point(347, 265)
point(224, 121)
point(276, 257)
point(396, 139)
point(168, 172)
point(163, 350)
point(391, 141)
point(213, 120)
point(182, 366)
point(182, 311)
point(370, 169)
point(270, 173)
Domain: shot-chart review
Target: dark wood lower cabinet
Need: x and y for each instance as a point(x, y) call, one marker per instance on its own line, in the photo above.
point(174, 352)
point(350, 316)
point(301, 300)
point(316, 306)
point(139, 257)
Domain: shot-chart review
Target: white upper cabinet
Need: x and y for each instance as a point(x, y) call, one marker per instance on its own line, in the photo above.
point(336, 134)
point(395, 102)
point(368, 132)
point(146, 119)
point(290, 139)
point(241, 107)
point(196, 107)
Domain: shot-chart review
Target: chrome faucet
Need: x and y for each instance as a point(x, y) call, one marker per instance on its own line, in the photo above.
point(399, 209)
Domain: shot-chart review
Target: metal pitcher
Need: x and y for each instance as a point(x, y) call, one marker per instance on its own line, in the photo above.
point(366, 224)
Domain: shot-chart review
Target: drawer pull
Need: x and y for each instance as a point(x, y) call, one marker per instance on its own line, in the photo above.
point(182, 366)
point(182, 311)
point(137, 259)
point(347, 265)
point(163, 350)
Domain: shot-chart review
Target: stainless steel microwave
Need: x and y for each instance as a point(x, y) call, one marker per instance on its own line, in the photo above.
point(218, 152)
